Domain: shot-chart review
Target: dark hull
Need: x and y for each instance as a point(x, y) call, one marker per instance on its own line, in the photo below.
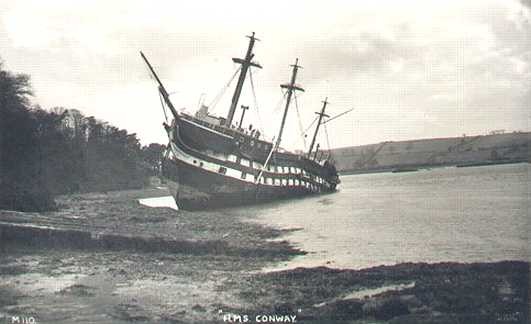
point(202, 137)
point(212, 163)
point(196, 189)
point(201, 179)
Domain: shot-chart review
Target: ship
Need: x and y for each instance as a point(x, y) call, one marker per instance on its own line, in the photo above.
point(211, 162)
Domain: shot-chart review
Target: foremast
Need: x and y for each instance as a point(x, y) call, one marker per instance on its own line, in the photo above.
point(245, 63)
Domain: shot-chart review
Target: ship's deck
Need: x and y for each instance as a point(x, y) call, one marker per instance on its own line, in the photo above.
point(239, 133)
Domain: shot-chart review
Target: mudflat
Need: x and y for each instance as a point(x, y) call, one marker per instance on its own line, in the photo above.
point(105, 258)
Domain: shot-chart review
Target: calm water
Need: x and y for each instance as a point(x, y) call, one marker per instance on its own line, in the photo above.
point(446, 214)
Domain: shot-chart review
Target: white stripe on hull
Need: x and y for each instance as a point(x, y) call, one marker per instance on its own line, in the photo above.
point(249, 178)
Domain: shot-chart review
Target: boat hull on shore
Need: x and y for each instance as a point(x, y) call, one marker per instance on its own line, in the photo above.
point(198, 180)
point(212, 162)
point(198, 190)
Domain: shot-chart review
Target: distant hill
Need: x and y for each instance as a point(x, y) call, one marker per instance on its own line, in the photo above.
point(461, 151)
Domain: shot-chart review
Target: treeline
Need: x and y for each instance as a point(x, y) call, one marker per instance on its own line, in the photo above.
point(44, 153)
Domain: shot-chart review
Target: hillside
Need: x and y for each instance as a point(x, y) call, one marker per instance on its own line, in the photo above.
point(499, 148)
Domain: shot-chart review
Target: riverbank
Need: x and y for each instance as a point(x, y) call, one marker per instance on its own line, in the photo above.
point(417, 167)
point(157, 265)
point(435, 152)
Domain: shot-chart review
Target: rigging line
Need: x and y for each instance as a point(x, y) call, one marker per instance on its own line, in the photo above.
point(216, 99)
point(163, 107)
point(310, 126)
point(337, 116)
point(313, 122)
point(260, 124)
point(160, 97)
point(278, 105)
point(273, 148)
point(300, 121)
point(277, 108)
point(280, 102)
point(223, 89)
point(327, 140)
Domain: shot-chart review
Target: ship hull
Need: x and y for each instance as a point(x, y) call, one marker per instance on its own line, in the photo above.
point(200, 181)
point(203, 179)
point(211, 163)
point(198, 189)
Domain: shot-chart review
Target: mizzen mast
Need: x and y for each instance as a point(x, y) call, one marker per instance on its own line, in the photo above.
point(291, 87)
point(245, 63)
point(321, 115)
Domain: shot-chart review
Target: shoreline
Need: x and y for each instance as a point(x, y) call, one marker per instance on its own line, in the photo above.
point(420, 167)
point(156, 265)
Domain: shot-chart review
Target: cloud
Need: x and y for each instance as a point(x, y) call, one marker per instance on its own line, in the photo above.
point(526, 3)
point(411, 68)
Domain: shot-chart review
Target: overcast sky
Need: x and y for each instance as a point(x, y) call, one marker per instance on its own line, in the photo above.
point(410, 69)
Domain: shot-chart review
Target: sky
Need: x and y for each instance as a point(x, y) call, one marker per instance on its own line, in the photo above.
point(409, 69)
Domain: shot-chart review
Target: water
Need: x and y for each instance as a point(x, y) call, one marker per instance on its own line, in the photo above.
point(470, 214)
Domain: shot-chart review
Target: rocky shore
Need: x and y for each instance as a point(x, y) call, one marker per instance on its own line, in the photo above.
point(104, 258)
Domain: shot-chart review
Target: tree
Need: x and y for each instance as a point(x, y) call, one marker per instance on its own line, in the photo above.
point(22, 185)
point(45, 153)
point(152, 156)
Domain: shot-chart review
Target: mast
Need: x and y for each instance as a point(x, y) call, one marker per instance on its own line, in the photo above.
point(244, 108)
point(245, 66)
point(162, 90)
point(321, 115)
point(291, 86)
point(316, 150)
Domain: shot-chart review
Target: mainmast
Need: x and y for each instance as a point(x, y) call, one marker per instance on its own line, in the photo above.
point(321, 115)
point(291, 86)
point(246, 62)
